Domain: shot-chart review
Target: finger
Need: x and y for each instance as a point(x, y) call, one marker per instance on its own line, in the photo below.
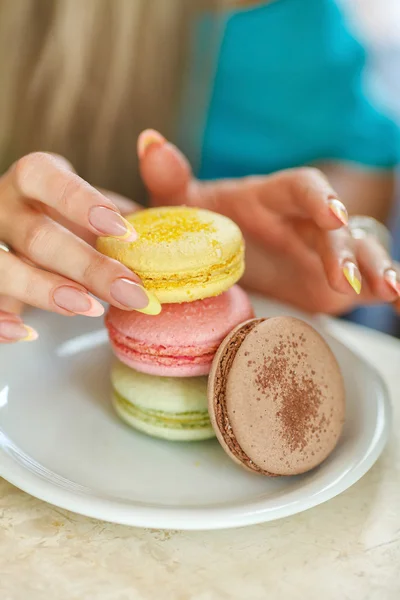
point(296, 193)
point(12, 329)
point(377, 269)
point(338, 255)
point(11, 305)
point(44, 290)
point(307, 193)
point(51, 246)
point(302, 285)
point(46, 179)
point(165, 171)
point(124, 205)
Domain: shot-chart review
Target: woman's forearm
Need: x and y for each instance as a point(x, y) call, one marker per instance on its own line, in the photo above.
point(364, 191)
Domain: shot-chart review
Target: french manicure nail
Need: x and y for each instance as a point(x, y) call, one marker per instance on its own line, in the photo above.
point(148, 138)
point(134, 296)
point(17, 332)
point(77, 302)
point(108, 222)
point(353, 275)
point(391, 279)
point(339, 210)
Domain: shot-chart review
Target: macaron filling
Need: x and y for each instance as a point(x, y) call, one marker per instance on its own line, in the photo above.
point(234, 266)
point(163, 355)
point(186, 420)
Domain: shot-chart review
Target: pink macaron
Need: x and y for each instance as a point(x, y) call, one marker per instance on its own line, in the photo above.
point(182, 340)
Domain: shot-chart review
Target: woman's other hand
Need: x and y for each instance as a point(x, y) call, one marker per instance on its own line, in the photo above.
point(299, 248)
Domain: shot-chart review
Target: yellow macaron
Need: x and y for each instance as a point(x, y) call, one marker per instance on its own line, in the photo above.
point(182, 254)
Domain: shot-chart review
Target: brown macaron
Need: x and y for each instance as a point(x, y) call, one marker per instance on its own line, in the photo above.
point(276, 396)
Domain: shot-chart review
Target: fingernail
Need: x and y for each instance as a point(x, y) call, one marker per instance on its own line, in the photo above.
point(77, 302)
point(353, 276)
point(339, 210)
point(17, 332)
point(391, 279)
point(108, 222)
point(134, 296)
point(148, 138)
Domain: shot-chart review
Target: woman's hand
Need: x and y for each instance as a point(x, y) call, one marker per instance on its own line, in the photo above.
point(298, 247)
point(42, 201)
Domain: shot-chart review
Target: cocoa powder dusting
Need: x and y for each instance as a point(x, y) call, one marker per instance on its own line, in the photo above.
point(299, 397)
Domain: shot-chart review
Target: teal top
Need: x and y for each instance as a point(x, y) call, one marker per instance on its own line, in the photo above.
point(289, 90)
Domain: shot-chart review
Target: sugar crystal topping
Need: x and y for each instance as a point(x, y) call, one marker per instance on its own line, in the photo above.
point(170, 225)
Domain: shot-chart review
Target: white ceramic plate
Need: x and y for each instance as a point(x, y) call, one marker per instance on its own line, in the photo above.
point(61, 442)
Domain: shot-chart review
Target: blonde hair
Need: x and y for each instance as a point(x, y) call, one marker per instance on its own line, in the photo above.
point(84, 77)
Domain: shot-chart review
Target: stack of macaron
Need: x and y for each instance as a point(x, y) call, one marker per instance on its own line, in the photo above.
point(190, 260)
point(269, 389)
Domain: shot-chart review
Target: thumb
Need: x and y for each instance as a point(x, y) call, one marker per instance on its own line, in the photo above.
point(165, 171)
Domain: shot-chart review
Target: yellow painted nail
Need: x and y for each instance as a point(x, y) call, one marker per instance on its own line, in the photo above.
point(339, 210)
point(148, 138)
point(353, 276)
point(153, 307)
point(32, 334)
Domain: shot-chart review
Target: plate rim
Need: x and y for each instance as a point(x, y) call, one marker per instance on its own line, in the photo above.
point(194, 518)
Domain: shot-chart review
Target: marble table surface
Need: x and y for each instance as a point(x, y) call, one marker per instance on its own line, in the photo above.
point(348, 548)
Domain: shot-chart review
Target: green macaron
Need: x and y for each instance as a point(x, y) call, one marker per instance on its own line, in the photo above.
point(171, 408)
